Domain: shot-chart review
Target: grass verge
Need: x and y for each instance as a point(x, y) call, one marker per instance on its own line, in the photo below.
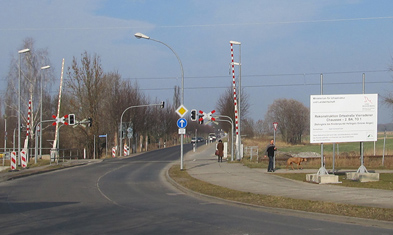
point(184, 179)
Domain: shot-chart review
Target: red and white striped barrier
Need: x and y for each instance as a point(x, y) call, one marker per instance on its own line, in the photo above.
point(23, 158)
point(24, 153)
point(28, 120)
point(13, 160)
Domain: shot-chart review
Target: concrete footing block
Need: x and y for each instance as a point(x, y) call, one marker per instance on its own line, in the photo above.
point(322, 179)
point(362, 177)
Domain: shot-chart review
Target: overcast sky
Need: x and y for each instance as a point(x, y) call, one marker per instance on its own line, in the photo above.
point(285, 45)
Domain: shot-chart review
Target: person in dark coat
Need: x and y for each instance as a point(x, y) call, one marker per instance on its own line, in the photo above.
point(270, 153)
point(220, 148)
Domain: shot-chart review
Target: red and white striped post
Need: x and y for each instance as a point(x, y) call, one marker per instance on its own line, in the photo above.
point(114, 152)
point(125, 152)
point(23, 158)
point(28, 120)
point(13, 160)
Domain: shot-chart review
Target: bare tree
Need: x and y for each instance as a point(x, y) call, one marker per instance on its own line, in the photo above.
point(225, 106)
point(176, 97)
point(85, 93)
point(293, 119)
point(248, 128)
point(30, 80)
point(259, 131)
point(389, 98)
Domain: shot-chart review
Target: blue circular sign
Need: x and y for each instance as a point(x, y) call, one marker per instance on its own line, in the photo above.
point(182, 123)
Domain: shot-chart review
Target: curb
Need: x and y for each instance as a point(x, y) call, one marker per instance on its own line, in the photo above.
point(22, 175)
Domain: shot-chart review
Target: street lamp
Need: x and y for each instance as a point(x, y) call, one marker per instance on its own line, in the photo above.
point(42, 68)
point(141, 35)
point(239, 92)
point(20, 71)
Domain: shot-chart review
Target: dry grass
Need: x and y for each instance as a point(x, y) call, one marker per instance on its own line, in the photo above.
point(184, 179)
point(348, 157)
point(385, 181)
point(314, 163)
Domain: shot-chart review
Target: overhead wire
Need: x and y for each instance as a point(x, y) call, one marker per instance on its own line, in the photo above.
point(198, 25)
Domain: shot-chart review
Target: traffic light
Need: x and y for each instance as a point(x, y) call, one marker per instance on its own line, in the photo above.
point(200, 119)
point(193, 115)
point(71, 119)
point(90, 123)
point(162, 104)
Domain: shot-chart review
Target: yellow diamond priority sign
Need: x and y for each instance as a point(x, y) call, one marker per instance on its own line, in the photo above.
point(181, 111)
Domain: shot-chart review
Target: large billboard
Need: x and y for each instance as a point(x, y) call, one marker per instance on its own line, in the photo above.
point(343, 118)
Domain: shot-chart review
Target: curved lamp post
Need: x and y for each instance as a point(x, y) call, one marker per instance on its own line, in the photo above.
point(142, 36)
point(42, 68)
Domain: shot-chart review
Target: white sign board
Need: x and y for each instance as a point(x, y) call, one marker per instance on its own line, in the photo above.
point(343, 118)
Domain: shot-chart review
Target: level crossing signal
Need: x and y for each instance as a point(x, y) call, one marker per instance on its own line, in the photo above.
point(63, 119)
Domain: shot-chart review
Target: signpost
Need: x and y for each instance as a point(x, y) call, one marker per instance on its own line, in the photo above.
point(181, 111)
point(343, 118)
point(106, 142)
point(275, 124)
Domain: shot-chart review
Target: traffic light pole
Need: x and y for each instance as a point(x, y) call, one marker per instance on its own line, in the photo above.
point(36, 144)
point(230, 121)
point(121, 122)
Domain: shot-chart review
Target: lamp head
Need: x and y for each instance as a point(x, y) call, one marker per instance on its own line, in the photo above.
point(24, 51)
point(45, 67)
point(235, 42)
point(141, 35)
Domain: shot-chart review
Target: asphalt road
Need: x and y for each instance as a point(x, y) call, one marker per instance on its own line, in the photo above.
point(132, 196)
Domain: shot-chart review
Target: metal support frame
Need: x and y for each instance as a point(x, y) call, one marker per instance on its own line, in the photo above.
point(232, 124)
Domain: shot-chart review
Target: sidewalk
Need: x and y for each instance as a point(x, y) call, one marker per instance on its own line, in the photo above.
point(203, 165)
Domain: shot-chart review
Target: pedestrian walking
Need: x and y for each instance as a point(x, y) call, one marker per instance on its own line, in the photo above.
point(269, 152)
point(220, 149)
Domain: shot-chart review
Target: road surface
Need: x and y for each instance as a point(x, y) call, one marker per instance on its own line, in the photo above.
point(132, 196)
